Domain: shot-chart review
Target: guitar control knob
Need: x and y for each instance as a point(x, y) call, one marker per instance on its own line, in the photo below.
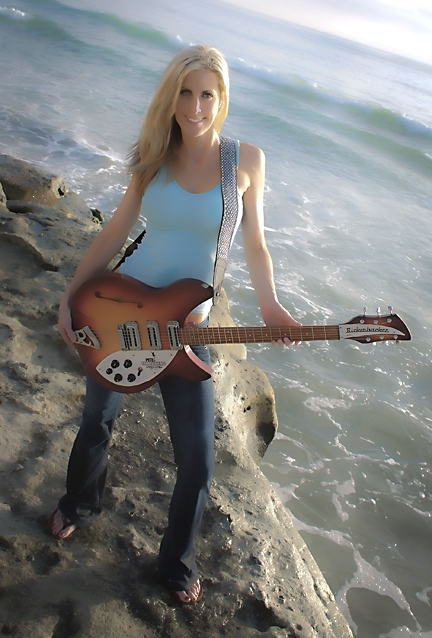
point(115, 363)
point(131, 378)
point(118, 377)
point(128, 363)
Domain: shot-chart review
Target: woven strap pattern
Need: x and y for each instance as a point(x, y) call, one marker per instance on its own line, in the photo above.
point(230, 211)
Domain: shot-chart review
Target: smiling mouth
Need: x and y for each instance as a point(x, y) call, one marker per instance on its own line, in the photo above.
point(194, 121)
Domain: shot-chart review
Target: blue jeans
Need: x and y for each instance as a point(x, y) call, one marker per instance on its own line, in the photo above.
point(189, 407)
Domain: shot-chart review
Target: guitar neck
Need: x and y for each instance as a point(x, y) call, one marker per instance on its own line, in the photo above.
point(224, 335)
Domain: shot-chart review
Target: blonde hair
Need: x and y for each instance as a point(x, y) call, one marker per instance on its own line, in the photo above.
point(160, 134)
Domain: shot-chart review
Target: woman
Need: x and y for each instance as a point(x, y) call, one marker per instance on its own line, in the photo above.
point(176, 173)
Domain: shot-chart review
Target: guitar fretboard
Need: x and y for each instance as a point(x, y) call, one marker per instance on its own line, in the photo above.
point(220, 335)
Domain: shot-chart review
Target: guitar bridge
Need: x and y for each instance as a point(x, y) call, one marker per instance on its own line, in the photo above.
point(129, 335)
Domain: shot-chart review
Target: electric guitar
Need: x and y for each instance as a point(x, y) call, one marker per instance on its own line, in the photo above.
point(130, 335)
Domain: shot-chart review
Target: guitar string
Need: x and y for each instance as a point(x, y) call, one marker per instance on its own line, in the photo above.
point(233, 334)
point(226, 335)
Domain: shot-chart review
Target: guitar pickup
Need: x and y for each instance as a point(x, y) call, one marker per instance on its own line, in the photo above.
point(153, 335)
point(129, 335)
point(173, 335)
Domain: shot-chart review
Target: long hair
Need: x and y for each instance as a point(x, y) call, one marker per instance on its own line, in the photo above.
point(160, 134)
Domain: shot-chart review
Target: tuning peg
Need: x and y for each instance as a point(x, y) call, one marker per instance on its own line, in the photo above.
point(390, 309)
point(364, 311)
point(378, 311)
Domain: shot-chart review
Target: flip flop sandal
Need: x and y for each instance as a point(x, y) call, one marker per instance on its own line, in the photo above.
point(66, 523)
point(188, 602)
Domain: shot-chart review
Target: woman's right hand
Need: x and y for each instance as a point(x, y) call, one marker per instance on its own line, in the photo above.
point(65, 322)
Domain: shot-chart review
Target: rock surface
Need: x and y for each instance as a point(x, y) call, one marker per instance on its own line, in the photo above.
point(258, 575)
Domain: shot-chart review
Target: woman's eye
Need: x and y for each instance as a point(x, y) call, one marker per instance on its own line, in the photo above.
point(205, 94)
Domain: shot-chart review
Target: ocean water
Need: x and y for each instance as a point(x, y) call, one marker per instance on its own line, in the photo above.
point(347, 133)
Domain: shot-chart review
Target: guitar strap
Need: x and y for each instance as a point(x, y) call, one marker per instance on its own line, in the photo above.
point(229, 215)
point(130, 249)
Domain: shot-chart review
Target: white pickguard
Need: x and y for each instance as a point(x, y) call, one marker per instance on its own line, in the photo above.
point(132, 368)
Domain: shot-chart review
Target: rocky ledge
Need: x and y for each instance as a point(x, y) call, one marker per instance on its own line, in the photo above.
point(259, 576)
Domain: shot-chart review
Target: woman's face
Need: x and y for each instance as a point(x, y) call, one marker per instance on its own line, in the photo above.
point(198, 103)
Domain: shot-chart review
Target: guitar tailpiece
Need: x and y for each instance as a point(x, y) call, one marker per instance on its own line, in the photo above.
point(86, 337)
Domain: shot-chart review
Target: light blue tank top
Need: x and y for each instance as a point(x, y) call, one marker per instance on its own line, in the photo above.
point(181, 235)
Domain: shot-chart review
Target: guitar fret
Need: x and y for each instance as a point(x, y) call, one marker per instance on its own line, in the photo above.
point(244, 334)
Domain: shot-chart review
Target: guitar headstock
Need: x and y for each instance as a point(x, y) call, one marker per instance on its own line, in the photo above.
point(371, 328)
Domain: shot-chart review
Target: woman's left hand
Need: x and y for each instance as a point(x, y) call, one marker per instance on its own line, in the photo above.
point(277, 316)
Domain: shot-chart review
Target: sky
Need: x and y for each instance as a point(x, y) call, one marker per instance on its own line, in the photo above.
point(398, 26)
